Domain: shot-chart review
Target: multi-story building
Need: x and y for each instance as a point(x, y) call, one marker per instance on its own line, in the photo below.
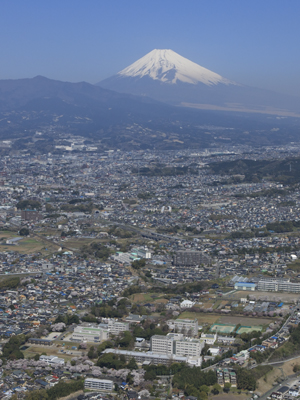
point(98, 384)
point(90, 334)
point(190, 258)
point(142, 252)
point(186, 326)
point(160, 344)
point(278, 285)
point(116, 327)
point(188, 347)
point(176, 344)
point(31, 215)
point(154, 358)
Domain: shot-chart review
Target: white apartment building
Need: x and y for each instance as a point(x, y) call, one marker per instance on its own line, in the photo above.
point(116, 327)
point(156, 359)
point(90, 334)
point(276, 285)
point(186, 326)
point(174, 344)
point(98, 384)
point(188, 347)
point(160, 344)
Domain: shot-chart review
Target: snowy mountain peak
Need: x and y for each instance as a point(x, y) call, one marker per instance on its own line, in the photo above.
point(170, 67)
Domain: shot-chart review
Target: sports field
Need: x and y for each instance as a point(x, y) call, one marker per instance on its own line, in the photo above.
point(248, 329)
point(222, 328)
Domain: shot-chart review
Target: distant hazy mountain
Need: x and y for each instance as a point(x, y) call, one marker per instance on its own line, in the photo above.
point(166, 76)
point(126, 121)
point(16, 93)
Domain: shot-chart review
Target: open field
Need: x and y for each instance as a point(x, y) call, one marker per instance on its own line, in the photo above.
point(247, 329)
point(244, 321)
point(222, 328)
point(77, 243)
point(49, 350)
point(202, 318)
point(205, 318)
point(26, 245)
point(8, 234)
point(141, 298)
point(266, 296)
point(231, 396)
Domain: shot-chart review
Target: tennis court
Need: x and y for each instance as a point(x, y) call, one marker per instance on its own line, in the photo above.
point(248, 329)
point(222, 328)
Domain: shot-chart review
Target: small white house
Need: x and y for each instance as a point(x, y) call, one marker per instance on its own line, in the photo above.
point(187, 304)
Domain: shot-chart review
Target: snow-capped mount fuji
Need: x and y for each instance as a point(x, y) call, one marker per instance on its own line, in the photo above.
point(170, 67)
point(168, 77)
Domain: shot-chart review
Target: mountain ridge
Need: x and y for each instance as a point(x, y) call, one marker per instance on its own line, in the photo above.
point(161, 76)
point(168, 66)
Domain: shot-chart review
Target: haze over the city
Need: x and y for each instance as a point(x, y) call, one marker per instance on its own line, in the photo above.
point(254, 43)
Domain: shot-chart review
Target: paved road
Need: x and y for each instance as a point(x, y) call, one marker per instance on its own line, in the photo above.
point(280, 362)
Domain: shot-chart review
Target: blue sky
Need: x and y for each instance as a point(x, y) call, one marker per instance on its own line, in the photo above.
point(254, 42)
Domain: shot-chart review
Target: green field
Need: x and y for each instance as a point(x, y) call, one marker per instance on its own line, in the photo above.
point(247, 329)
point(222, 328)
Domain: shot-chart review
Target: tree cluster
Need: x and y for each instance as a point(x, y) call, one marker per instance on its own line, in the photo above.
point(62, 389)
point(67, 319)
point(11, 349)
point(192, 381)
point(28, 204)
point(138, 264)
